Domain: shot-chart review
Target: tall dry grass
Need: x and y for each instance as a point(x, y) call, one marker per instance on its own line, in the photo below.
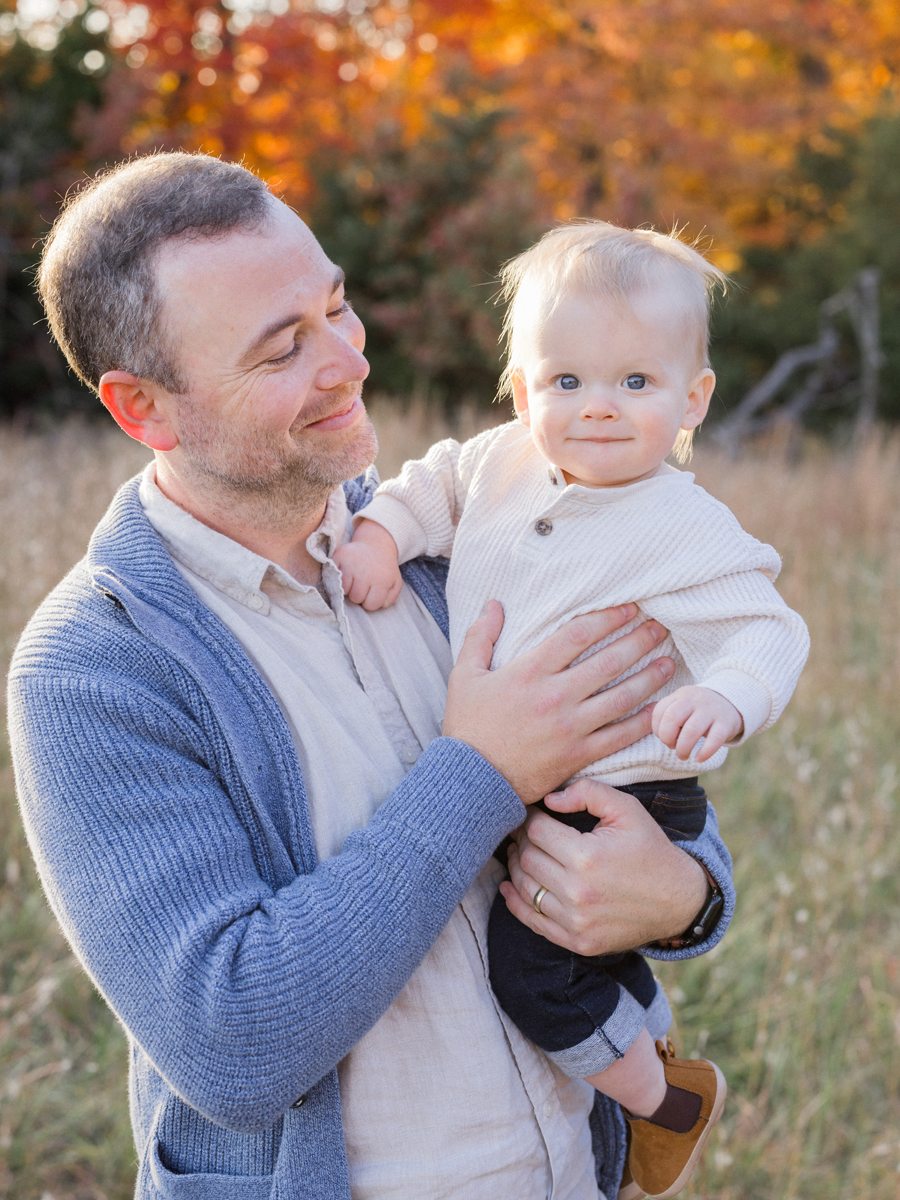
point(801, 1002)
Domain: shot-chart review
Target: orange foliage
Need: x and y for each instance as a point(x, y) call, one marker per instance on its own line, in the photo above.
point(687, 111)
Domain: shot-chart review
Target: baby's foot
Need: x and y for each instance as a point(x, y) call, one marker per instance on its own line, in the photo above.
point(664, 1149)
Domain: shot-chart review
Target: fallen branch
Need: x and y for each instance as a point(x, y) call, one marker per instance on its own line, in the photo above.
point(859, 299)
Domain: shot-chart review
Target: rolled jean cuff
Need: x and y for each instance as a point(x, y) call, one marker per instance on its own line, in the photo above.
point(607, 1044)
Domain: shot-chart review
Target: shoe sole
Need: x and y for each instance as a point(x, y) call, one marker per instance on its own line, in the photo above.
point(631, 1191)
point(687, 1172)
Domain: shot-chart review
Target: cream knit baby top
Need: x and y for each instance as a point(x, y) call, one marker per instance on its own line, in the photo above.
point(549, 552)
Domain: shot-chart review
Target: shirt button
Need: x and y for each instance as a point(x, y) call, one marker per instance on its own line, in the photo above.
point(543, 527)
point(257, 602)
point(410, 755)
point(548, 1108)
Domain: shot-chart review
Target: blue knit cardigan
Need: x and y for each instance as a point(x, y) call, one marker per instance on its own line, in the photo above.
point(164, 805)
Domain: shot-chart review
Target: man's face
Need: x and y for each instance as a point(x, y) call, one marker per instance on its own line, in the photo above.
point(274, 363)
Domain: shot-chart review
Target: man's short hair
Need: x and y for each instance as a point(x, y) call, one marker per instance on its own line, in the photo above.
point(595, 258)
point(97, 276)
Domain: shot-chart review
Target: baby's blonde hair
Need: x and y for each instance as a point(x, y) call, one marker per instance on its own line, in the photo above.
point(596, 258)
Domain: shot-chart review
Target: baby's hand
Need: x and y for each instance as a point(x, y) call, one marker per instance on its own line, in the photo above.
point(691, 713)
point(369, 570)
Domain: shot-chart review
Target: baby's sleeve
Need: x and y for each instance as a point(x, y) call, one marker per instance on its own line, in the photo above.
point(421, 506)
point(739, 638)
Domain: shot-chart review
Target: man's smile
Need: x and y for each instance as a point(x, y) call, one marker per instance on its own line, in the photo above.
point(339, 419)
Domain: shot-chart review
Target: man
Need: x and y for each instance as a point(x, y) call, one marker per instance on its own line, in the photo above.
point(274, 867)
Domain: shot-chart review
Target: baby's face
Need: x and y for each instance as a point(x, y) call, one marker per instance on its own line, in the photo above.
point(605, 390)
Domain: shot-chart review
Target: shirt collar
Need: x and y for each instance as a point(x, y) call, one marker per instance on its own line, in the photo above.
point(225, 563)
point(557, 483)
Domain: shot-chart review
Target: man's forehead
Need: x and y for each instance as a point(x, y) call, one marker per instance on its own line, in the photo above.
point(281, 259)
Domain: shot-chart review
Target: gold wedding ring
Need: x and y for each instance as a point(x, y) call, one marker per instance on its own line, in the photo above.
point(538, 899)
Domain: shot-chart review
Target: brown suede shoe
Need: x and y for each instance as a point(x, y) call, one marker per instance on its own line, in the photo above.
point(660, 1162)
point(628, 1189)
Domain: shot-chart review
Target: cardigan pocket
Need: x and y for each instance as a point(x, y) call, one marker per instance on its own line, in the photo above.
point(169, 1186)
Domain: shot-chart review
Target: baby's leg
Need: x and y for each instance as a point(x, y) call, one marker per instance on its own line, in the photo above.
point(637, 1080)
point(574, 1008)
point(597, 1020)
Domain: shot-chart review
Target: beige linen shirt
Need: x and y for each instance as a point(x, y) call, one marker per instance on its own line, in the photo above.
point(443, 1097)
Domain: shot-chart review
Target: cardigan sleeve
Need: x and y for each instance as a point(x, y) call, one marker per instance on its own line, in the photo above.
point(243, 994)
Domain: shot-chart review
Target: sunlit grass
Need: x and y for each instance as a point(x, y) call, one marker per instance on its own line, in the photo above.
point(801, 1003)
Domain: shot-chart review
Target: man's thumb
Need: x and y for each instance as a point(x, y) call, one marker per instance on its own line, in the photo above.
point(478, 647)
point(599, 799)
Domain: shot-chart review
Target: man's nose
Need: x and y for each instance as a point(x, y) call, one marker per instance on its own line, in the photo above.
point(345, 363)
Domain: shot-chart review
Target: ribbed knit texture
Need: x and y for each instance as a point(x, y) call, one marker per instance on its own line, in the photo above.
point(549, 552)
point(165, 808)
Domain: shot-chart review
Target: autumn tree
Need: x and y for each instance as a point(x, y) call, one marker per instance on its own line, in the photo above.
point(428, 140)
point(52, 128)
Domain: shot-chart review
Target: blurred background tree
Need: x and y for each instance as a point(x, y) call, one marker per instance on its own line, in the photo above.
point(427, 141)
point(844, 208)
point(51, 108)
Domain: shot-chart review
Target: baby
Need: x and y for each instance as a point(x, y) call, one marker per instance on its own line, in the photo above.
point(572, 508)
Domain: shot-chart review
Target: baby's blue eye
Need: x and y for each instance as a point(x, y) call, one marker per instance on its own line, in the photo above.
point(569, 382)
point(635, 383)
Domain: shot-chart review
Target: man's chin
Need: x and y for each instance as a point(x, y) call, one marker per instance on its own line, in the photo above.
point(342, 455)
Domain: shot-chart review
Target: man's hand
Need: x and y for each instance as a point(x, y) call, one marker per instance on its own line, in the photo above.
point(692, 713)
point(620, 886)
point(538, 719)
point(370, 574)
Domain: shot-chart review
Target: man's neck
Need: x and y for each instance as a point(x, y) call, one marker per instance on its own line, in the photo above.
point(251, 523)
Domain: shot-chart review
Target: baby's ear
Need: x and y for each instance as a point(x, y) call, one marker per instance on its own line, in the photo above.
point(520, 398)
point(699, 395)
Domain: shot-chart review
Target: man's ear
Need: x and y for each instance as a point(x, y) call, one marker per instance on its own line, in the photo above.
point(520, 399)
point(137, 406)
point(699, 396)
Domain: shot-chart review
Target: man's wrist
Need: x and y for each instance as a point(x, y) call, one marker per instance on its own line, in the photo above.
point(703, 923)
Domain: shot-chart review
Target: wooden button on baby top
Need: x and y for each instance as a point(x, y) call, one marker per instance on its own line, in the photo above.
point(543, 527)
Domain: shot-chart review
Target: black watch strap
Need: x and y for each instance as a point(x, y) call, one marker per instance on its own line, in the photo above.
point(703, 924)
point(706, 919)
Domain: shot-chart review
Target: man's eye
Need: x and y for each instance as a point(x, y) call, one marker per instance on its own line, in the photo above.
point(569, 383)
point(339, 312)
point(636, 383)
point(294, 350)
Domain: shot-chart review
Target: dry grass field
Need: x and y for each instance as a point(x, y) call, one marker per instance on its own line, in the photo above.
point(801, 1002)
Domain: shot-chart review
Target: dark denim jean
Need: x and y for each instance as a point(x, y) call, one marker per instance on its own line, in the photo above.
point(586, 1011)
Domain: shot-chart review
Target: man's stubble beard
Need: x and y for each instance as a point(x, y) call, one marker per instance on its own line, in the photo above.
point(277, 479)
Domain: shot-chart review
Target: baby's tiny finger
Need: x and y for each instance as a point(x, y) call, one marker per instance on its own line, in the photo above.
point(691, 733)
point(707, 750)
point(372, 600)
point(715, 740)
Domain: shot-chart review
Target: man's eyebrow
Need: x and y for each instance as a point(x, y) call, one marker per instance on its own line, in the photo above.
point(282, 323)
